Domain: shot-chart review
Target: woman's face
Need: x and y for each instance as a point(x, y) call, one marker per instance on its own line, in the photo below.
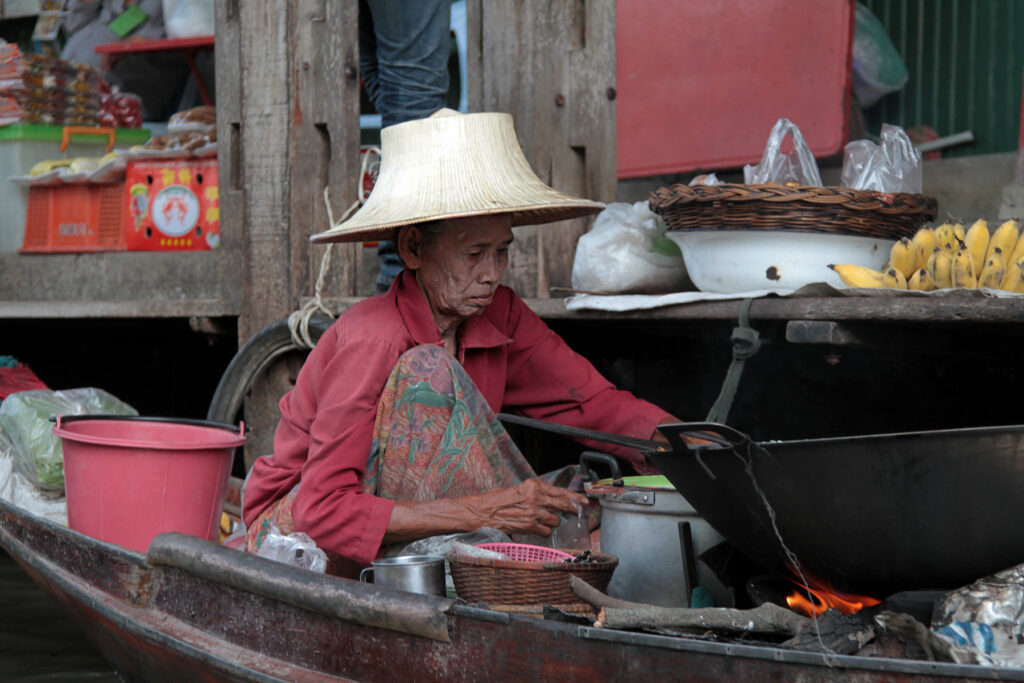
point(460, 267)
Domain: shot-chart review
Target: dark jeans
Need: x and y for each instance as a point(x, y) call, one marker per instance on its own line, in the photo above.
point(403, 60)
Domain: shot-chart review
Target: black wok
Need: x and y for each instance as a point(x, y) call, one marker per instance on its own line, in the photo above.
point(870, 515)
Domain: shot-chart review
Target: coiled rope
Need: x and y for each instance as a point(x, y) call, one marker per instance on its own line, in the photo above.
point(298, 321)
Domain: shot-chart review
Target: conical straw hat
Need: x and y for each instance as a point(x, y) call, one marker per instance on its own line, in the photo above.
point(453, 165)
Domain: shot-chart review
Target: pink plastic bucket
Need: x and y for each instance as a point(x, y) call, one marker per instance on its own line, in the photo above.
point(128, 479)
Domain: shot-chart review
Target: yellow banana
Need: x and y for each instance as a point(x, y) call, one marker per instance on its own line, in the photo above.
point(1018, 250)
point(963, 269)
point(1005, 238)
point(901, 257)
point(857, 276)
point(958, 231)
point(1012, 276)
point(894, 279)
point(945, 238)
point(922, 244)
point(992, 275)
point(976, 240)
point(940, 267)
point(921, 281)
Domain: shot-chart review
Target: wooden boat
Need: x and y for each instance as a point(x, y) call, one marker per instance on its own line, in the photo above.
point(190, 609)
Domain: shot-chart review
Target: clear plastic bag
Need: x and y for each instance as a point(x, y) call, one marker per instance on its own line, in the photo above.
point(893, 166)
point(877, 68)
point(985, 619)
point(627, 252)
point(573, 532)
point(296, 549)
point(796, 166)
point(706, 179)
point(25, 418)
point(442, 545)
point(466, 550)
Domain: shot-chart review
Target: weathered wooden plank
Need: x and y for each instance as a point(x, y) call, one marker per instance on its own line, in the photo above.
point(299, 133)
point(592, 100)
point(534, 60)
point(265, 118)
point(121, 276)
point(331, 117)
point(949, 312)
point(145, 308)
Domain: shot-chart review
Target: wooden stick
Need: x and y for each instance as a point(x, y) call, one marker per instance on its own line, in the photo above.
point(615, 613)
point(595, 598)
point(768, 618)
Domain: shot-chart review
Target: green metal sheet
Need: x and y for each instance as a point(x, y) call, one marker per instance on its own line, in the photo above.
point(965, 59)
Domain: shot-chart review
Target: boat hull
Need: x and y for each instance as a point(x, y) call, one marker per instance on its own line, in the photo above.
point(193, 610)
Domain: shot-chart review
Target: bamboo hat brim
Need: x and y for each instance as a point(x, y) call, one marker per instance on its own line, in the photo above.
point(454, 165)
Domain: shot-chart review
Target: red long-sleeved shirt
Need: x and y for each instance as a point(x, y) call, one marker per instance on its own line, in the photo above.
point(326, 428)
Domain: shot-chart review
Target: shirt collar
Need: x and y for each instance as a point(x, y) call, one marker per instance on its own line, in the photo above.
point(476, 333)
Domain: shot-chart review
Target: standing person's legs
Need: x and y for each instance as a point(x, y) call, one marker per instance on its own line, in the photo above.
point(412, 41)
point(404, 47)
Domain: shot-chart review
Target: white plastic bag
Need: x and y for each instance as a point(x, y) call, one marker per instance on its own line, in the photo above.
point(895, 166)
point(17, 490)
point(796, 166)
point(296, 549)
point(190, 18)
point(627, 252)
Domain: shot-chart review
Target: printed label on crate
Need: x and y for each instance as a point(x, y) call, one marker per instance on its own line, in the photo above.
point(172, 205)
point(175, 210)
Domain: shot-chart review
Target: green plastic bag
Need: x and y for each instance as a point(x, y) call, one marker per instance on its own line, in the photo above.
point(878, 68)
point(25, 420)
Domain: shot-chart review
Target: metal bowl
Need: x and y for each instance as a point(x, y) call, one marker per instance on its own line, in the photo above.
point(731, 261)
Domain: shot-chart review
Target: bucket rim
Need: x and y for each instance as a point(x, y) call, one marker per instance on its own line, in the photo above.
point(61, 420)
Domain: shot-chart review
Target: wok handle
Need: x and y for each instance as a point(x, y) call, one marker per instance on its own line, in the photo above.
point(721, 434)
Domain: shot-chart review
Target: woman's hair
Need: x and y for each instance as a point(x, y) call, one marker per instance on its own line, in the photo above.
point(431, 229)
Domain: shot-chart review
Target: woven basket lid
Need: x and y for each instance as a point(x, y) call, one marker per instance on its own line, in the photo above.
point(453, 165)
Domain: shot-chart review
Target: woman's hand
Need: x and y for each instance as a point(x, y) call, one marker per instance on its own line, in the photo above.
point(531, 507)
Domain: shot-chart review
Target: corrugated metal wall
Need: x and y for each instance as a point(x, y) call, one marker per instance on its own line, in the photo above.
point(965, 60)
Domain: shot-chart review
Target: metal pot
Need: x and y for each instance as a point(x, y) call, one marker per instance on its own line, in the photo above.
point(413, 573)
point(641, 523)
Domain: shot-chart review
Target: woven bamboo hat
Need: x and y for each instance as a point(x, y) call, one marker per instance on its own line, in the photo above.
point(453, 165)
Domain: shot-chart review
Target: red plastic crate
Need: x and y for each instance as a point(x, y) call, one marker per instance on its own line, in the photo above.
point(172, 205)
point(74, 218)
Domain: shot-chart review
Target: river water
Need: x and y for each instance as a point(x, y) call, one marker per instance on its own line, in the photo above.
point(38, 642)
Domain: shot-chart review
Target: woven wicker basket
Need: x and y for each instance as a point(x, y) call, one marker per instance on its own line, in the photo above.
point(511, 582)
point(836, 210)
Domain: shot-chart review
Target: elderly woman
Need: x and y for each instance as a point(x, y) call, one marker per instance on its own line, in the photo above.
point(390, 432)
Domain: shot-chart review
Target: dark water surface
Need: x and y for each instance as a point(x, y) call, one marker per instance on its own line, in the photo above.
point(38, 641)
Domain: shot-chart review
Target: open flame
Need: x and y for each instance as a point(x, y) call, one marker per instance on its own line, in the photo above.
point(825, 598)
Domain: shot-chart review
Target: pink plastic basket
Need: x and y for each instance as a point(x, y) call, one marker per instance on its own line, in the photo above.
point(522, 552)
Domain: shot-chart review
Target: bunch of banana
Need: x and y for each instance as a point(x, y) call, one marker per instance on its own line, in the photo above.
point(948, 256)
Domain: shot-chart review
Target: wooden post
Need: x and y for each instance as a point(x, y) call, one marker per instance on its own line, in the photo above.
point(288, 113)
point(552, 66)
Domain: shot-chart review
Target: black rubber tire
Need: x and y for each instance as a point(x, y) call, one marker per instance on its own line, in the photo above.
point(255, 356)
